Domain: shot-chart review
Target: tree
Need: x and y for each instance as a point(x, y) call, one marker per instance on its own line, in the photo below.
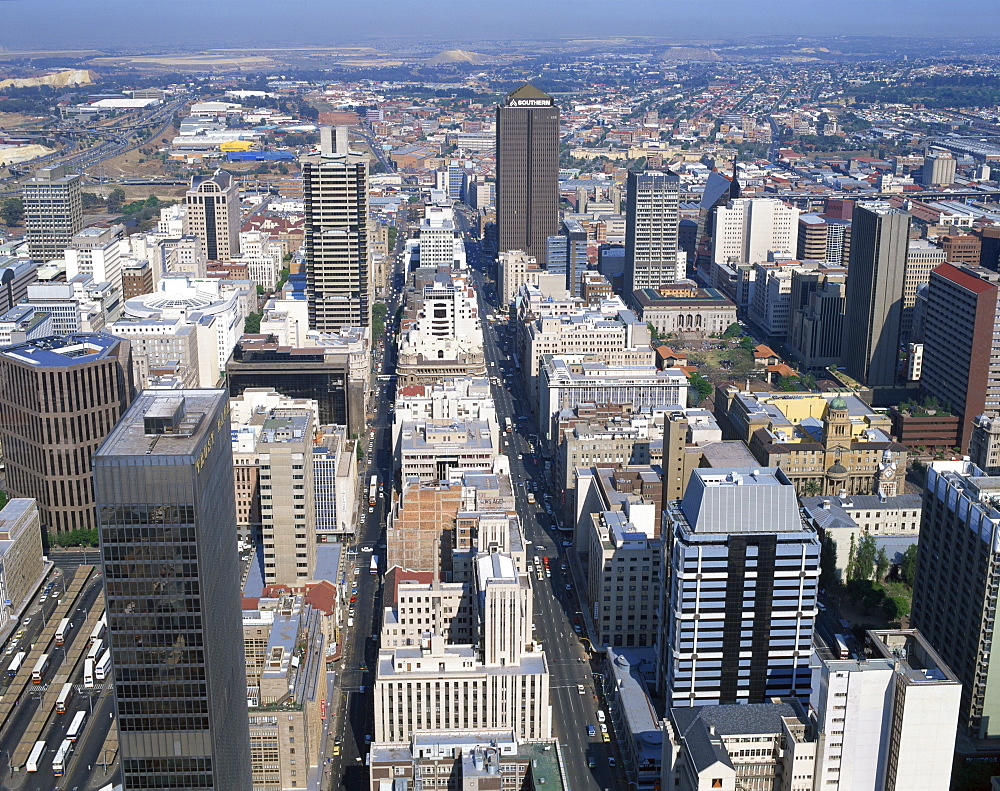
point(864, 558)
point(881, 564)
point(12, 211)
point(827, 561)
point(811, 488)
point(908, 565)
point(788, 384)
point(251, 326)
point(654, 334)
point(733, 330)
point(852, 552)
point(90, 200)
point(701, 388)
point(379, 311)
point(116, 199)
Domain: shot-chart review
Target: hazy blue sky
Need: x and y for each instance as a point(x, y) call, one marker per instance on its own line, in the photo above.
point(81, 23)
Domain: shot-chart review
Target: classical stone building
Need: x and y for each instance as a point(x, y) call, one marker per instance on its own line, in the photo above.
point(824, 442)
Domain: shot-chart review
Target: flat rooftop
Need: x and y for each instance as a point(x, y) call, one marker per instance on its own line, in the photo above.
point(63, 350)
point(129, 437)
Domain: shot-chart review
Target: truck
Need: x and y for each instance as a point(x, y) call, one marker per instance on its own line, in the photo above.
point(508, 425)
point(373, 566)
point(373, 490)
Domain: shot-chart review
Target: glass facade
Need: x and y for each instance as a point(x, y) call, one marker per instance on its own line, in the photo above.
point(168, 539)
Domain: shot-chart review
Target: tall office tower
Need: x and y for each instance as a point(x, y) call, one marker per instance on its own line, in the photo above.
point(961, 361)
point(823, 239)
point(921, 259)
point(566, 254)
point(652, 212)
point(527, 171)
point(939, 170)
point(888, 720)
point(816, 329)
point(505, 609)
point(748, 230)
point(739, 591)
point(954, 593)
point(164, 482)
point(59, 398)
point(213, 214)
point(288, 515)
point(873, 305)
point(335, 192)
point(53, 212)
point(989, 247)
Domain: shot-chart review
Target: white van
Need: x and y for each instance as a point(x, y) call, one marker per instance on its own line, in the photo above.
point(350, 622)
point(600, 715)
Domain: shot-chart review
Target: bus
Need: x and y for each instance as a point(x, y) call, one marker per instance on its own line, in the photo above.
point(61, 631)
point(840, 648)
point(102, 666)
point(373, 566)
point(76, 727)
point(39, 670)
point(98, 632)
point(62, 758)
point(88, 674)
point(95, 649)
point(15, 665)
point(35, 757)
point(373, 490)
point(508, 426)
point(64, 695)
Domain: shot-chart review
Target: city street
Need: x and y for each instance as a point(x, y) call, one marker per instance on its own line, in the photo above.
point(554, 606)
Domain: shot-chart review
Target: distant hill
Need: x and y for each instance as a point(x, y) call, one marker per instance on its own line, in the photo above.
point(460, 56)
point(692, 53)
point(58, 79)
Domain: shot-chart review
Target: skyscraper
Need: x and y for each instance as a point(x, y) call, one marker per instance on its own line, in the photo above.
point(335, 192)
point(961, 363)
point(164, 481)
point(747, 230)
point(652, 219)
point(53, 212)
point(873, 307)
point(955, 585)
point(527, 171)
point(739, 596)
point(213, 214)
point(59, 398)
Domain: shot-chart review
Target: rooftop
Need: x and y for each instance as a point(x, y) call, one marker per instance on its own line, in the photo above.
point(63, 350)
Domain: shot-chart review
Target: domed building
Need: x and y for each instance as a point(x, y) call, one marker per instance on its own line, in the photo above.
point(826, 443)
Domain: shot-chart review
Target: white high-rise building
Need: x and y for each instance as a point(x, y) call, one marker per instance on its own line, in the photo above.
point(440, 243)
point(503, 682)
point(653, 217)
point(887, 721)
point(748, 230)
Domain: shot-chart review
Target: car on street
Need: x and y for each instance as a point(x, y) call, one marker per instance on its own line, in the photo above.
point(604, 728)
point(366, 549)
point(569, 587)
point(611, 760)
point(591, 731)
point(336, 749)
point(581, 689)
point(591, 762)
